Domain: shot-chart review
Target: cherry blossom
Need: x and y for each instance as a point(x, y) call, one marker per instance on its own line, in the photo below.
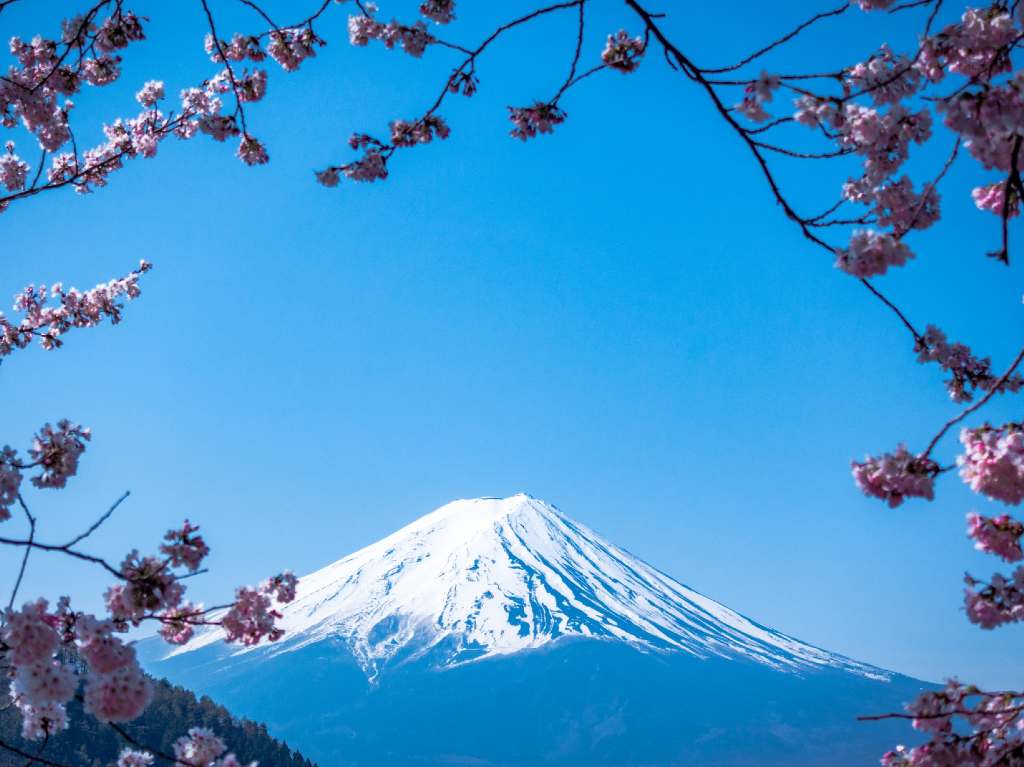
point(530, 121)
point(119, 696)
point(997, 602)
point(999, 535)
point(622, 52)
point(887, 77)
point(132, 758)
point(968, 372)
point(176, 623)
point(41, 720)
point(993, 198)
point(993, 461)
point(439, 11)
point(29, 634)
point(10, 481)
point(150, 586)
point(290, 47)
point(413, 39)
point(200, 747)
point(419, 132)
point(281, 586)
point(152, 92)
point(184, 548)
point(896, 476)
point(13, 170)
point(57, 451)
point(872, 253)
point(252, 152)
point(251, 618)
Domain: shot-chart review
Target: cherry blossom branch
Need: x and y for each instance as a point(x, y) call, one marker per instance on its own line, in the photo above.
point(976, 406)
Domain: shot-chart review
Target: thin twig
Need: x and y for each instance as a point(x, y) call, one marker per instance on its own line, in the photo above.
point(28, 551)
point(95, 525)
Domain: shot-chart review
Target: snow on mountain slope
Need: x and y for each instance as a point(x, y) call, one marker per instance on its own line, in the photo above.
point(490, 576)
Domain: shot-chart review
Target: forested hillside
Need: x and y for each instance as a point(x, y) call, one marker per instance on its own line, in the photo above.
point(87, 743)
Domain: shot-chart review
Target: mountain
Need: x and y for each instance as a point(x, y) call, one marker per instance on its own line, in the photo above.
point(500, 632)
point(90, 744)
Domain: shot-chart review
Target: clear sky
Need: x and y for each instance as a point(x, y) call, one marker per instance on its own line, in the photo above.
point(616, 319)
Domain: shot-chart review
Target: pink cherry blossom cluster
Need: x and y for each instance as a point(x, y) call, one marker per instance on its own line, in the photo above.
point(992, 198)
point(130, 757)
point(871, 253)
point(895, 203)
point(115, 688)
point(992, 463)
point(967, 371)
point(530, 121)
point(13, 170)
point(370, 167)
point(74, 309)
point(421, 131)
point(998, 602)
point(55, 452)
point(239, 48)
point(622, 52)
point(184, 548)
point(976, 47)
point(439, 11)
point(996, 535)
point(202, 748)
point(756, 95)
point(413, 39)
point(887, 77)
point(290, 47)
point(882, 139)
point(252, 617)
point(50, 70)
point(896, 476)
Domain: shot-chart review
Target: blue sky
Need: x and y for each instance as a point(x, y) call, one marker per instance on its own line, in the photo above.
point(615, 318)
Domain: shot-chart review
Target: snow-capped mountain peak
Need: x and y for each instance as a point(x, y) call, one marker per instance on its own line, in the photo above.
point(494, 576)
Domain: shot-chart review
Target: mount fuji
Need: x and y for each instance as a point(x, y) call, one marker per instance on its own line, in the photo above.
point(500, 632)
